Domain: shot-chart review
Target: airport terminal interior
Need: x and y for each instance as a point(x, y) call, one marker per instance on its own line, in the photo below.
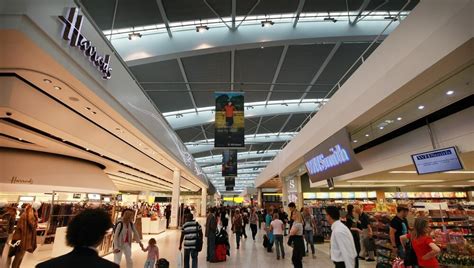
point(236, 133)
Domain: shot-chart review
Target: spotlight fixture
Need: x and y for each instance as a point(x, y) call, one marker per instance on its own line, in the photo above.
point(201, 28)
point(267, 23)
point(47, 81)
point(57, 87)
point(380, 128)
point(450, 92)
point(399, 118)
point(367, 135)
point(330, 19)
point(134, 36)
point(421, 107)
point(355, 141)
point(392, 18)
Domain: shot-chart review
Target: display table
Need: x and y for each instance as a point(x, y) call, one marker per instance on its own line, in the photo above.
point(153, 227)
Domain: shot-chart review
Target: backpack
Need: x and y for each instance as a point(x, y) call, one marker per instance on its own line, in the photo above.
point(121, 227)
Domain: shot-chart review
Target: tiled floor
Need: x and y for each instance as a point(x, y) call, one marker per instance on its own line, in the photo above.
point(250, 254)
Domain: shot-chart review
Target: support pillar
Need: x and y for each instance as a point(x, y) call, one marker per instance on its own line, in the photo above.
point(175, 198)
point(203, 202)
point(259, 197)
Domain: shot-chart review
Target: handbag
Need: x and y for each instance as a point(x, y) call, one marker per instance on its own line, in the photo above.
point(410, 255)
point(198, 239)
point(13, 247)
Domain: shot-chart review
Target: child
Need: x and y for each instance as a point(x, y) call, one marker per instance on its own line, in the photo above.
point(153, 253)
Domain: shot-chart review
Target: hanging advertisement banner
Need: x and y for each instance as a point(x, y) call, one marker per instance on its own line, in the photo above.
point(229, 127)
point(229, 163)
point(229, 181)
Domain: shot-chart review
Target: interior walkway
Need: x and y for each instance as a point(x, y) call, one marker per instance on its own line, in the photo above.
point(250, 253)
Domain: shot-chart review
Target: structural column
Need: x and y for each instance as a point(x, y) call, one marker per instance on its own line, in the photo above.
point(259, 197)
point(203, 202)
point(175, 198)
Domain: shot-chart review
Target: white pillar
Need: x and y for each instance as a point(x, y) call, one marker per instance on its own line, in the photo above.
point(175, 199)
point(203, 202)
point(259, 197)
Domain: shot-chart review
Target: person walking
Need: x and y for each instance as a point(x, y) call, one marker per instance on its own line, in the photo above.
point(292, 208)
point(276, 226)
point(153, 253)
point(168, 215)
point(245, 218)
point(25, 233)
point(296, 240)
point(191, 233)
point(309, 230)
point(84, 233)
point(425, 248)
point(237, 226)
point(268, 220)
point(224, 219)
point(253, 222)
point(354, 226)
point(124, 233)
point(398, 227)
point(366, 252)
point(210, 231)
point(284, 219)
point(343, 251)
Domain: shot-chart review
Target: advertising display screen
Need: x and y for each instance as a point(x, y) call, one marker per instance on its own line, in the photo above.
point(229, 163)
point(446, 159)
point(95, 197)
point(229, 181)
point(331, 158)
point(229, 127)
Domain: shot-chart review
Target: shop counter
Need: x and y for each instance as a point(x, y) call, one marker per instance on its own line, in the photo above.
point(153, 227)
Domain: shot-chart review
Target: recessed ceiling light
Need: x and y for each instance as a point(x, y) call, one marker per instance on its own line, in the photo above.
point(367, 135)
point(355, 141)
point(20, 139)
point(450, 92)
point(88, 108)
point(399, 118)
point(73, 99)
point(380, 128)
point(87, 149)
point(57, 87)
point(421, 107)
point(47, 81)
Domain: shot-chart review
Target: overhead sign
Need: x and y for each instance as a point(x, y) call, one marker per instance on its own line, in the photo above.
point(229, 163)
point(229, 181)
point(331, 158)
point(72, 33)
point(229, 120)
point(437, 161)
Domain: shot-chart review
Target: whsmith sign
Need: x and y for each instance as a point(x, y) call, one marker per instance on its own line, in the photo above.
point(72, 33)
point(331, 158)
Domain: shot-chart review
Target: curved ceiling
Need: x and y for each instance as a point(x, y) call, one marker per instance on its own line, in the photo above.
point(284, 82)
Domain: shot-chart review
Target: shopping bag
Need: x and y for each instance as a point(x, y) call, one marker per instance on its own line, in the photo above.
point(179, 260)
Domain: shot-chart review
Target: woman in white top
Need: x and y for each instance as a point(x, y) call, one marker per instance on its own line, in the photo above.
point(276, 226)
point(124, 234)
point(296, 239)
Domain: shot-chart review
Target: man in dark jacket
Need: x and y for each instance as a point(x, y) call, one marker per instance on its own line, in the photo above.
point(85, 232)
point(211, 229)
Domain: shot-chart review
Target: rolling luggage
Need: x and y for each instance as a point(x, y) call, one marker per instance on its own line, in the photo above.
point(220, 254)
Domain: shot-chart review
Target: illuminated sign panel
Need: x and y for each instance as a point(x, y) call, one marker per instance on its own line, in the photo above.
point(331, 158)
point(437, 161)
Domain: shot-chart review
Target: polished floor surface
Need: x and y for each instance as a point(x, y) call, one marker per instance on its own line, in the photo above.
point(250, 254)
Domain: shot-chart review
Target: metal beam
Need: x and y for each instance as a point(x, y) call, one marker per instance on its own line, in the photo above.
point(321, 69)
point(284, 124)
point(164, 17)
point(217, 14)
point(277, 72)
point(251, 10)
point(232, 69)
point(113, 20)
point(362, 7)
point(298, 12)
point(185, 78)
point(234, 11)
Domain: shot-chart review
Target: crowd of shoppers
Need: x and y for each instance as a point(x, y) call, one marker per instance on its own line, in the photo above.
point(351, 236)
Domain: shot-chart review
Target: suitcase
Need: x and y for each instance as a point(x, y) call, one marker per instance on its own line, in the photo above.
point(220, 253)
